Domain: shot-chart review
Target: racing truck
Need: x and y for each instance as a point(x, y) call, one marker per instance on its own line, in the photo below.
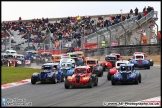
point(109, 62)
point(80, 61)
point(67, 59)
point(19, 60)
point(3, 59)
point(67, 68)
point(117, 55)
point(82, 77)
point(73, 56)
point(139, 61)
point(44, 57)
point(81, 55)
point(145, 56)
point(56, 58)
point(126, 74)
point(9, 60)
point(116, 68)
point(95, 66)
point(32, 55)
point(50, 72)
point(11, 52)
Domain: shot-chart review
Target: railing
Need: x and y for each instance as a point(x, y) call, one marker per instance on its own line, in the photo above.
point(117, 31)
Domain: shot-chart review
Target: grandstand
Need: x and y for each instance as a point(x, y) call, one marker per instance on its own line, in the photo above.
point(61, 33)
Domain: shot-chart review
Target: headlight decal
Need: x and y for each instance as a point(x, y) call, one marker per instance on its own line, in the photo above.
point(69, 78)
point(85, 78)
point(131, 75)
point(50, 75)
point(35, 74)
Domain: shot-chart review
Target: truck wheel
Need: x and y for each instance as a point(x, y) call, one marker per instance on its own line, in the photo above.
point(66, 86)
point(90, 84)
point(136, 80)
point(109, 76)
point(139, 78)
point(100, 74)
point(148, 67)
point(151, 63)
point(54, 79)
point(104, 68)
point(112, 80)
point(62, 77)
point(33, 80)
point(96, 81)
point(15, 64)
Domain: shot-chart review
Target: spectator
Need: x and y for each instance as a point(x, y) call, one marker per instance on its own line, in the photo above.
point(65, 29)
point(12, 39)
point(145, 12)
point(144, 9)
point(148, 9)
point(131, 11)
point(159, 35)
point(103, 43)
point(57, 44)
point(128, 16)
point(79, 43)
point(139, 16)
point(136, 11)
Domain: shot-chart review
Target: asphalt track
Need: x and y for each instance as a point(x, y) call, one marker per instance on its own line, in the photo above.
point(57, 95)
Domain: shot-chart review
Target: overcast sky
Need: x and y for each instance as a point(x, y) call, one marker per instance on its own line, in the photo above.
point(30, 10)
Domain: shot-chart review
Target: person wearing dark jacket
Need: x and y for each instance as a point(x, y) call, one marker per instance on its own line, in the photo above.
point(136, 11)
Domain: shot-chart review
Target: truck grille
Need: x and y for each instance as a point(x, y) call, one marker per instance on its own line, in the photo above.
point(140, 62)
point(77, 79)
point(124, 75)
point(64, 71)
point(42, 75)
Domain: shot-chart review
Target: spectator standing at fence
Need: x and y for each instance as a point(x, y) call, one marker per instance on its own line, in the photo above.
point(136, 11)
point(131, 14)
point(144, 38)
point(159, 37)
point(79, 43)
point(103, 43)
point(148, 9)
point(131, 11)
point(139, 16)
point(57, 44)
point(144, 9)
point(12, 39)
point(145, 12)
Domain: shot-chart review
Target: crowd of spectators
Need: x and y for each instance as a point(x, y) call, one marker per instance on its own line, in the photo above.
point(68, 29)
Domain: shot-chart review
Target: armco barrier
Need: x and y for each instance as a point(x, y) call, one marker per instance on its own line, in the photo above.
point(152, 49)
point(155, 58)
point(56, 51)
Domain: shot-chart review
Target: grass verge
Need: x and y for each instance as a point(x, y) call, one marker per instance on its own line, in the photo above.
point(14, 74)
